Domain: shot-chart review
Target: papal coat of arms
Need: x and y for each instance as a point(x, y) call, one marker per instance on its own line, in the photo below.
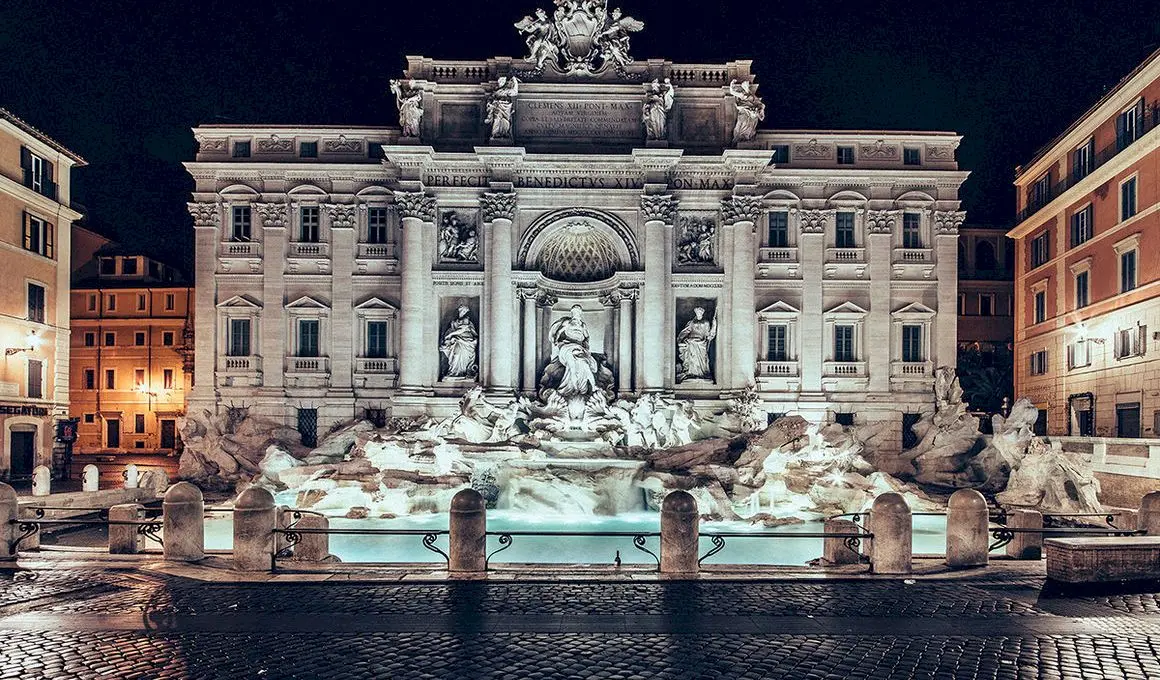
point(582, 36)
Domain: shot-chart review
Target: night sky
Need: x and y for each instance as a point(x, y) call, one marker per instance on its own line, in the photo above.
point(122, 82)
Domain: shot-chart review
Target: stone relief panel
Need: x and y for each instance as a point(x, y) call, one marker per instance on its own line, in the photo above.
point(459, 339)
point(696, 335)
point(458, 237)
point(697, 240)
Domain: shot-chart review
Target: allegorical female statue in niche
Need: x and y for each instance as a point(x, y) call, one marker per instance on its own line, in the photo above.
point(750, 110)
point(693, 343)
point(409, 100)
point(499, 107)
point(658, 101)
point(460, 343)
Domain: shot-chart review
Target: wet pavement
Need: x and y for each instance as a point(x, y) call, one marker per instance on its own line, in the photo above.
point(75, 623)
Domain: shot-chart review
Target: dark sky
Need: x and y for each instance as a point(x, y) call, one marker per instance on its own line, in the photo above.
point(122, 82)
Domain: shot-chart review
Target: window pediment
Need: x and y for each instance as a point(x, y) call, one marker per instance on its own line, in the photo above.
point(846, 311)
point(1130, 243)
point(915, 311)
point(240, 303)
point(779, 311)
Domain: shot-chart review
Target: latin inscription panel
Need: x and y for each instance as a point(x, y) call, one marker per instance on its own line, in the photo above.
point(577, 119)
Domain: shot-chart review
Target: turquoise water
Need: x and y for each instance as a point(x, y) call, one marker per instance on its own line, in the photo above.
point(929, 538)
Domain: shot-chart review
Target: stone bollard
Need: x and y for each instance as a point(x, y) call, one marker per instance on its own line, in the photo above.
point(9, 511)
point(312, 547)
point(891, 525)
point(91, 478)
point(1148, 519)
point(184, 523)
point(680, 534)
point(468, 550)
point(1025, 545)
point(968, 519)
point(41, 481)
point(1128, 520)
point(124, 538)
point(835, 550)
point(131, 476)
point(255, 517)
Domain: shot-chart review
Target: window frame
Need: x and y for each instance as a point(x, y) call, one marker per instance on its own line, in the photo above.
point(1081, 226)
point(241, 223)
point(1134, 183)
point(315, 226)
point(36, 314)
point(845, 155)
point(839, 215)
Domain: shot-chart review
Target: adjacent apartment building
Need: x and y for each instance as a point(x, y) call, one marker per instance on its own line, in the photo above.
point(35, 231)
point(1087, 314)
point(986, 316)
point(132, 362)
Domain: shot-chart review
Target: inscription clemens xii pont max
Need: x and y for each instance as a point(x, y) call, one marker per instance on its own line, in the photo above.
point(562, 118)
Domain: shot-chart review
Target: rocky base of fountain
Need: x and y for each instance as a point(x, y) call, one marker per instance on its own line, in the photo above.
point(609, 458)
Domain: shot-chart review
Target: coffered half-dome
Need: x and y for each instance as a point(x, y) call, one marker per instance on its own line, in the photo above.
point(579, 253)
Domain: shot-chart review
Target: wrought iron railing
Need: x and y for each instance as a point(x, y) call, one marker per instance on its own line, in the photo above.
point(1004, 535)
point(852, 541)
point(639, 539)
point(293, 534)
point(27, 527)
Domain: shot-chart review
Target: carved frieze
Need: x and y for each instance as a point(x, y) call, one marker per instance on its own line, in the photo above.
point(498, 206)
point(415, 204)
point(940, 153)
point(212, 144)
point(879, 151)
point(661, 207)
point(742, 209)
point(272, 214)
point(698, 234)
point(881, 221)
point(205, 214)
point(813, 151)
point(949, 221)
point(814, 221)
point(343, 145)
point(276, 145)
point(342, 216)
point(458, 238)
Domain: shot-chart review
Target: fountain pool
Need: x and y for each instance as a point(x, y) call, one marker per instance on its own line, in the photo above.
point(929, 539)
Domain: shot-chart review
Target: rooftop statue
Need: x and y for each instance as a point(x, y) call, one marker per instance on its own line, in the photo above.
point(582, 33)
point(409, 99)
point(750, 110)
point(658, 101)
point(499, 107)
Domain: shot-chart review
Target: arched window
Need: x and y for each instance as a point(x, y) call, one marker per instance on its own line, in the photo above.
point(985, 256)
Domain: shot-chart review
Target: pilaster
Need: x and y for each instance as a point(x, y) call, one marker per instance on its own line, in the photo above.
point(880, 227)
point(742, 214)
point(946, 252)
point(207, 236)
point(272, 342)
point(812, 242)
point(498, 211)
point(343, 220)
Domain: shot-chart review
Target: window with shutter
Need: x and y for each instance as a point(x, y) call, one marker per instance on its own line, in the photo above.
point(35, 379)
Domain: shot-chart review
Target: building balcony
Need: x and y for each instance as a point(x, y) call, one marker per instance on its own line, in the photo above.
point(376, 251)
point(241, 249)
point(911, 370)
point(777, 369)
point(845, 255)
point(239, 365)
point(913, 255)
point(383, 366)
point(778, 255)
point(844, 369)
point(315, 366)
point(309, 249)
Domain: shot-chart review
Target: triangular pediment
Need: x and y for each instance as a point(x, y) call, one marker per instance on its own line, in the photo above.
point(307, 302)
point(239, 302)
point(376, 304)
point(780, 307)
point(848, 308)
point(915, 309)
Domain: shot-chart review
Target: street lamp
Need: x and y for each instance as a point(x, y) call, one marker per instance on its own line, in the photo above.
point(32, 340)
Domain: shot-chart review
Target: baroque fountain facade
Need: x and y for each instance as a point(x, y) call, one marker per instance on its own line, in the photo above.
point(575, 281)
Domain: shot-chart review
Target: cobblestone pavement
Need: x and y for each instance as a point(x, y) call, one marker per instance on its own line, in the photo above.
point(107, 624)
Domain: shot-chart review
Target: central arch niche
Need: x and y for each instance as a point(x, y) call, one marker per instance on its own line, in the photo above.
point(578, 245)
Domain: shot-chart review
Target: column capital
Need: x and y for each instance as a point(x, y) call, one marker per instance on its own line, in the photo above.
point(948, 222)
point(659, 207)
point(415, 204)
point(814, 221)
point(341, 216)
point(272, 214)
point(742, 209)
point(881, 221)
point(205, 214)
point(498, 206)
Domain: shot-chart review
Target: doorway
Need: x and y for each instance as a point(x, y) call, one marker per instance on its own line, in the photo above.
point(113, 433)
point(23, 448)
point(168, 434)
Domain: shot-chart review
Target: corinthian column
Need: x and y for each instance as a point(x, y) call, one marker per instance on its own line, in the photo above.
point(416, 209)
point(740, 214)
point(946, 253)
point(658, 212)
point(343, 219)
point(500, 339)
point(272, 340)
point(207, 221)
